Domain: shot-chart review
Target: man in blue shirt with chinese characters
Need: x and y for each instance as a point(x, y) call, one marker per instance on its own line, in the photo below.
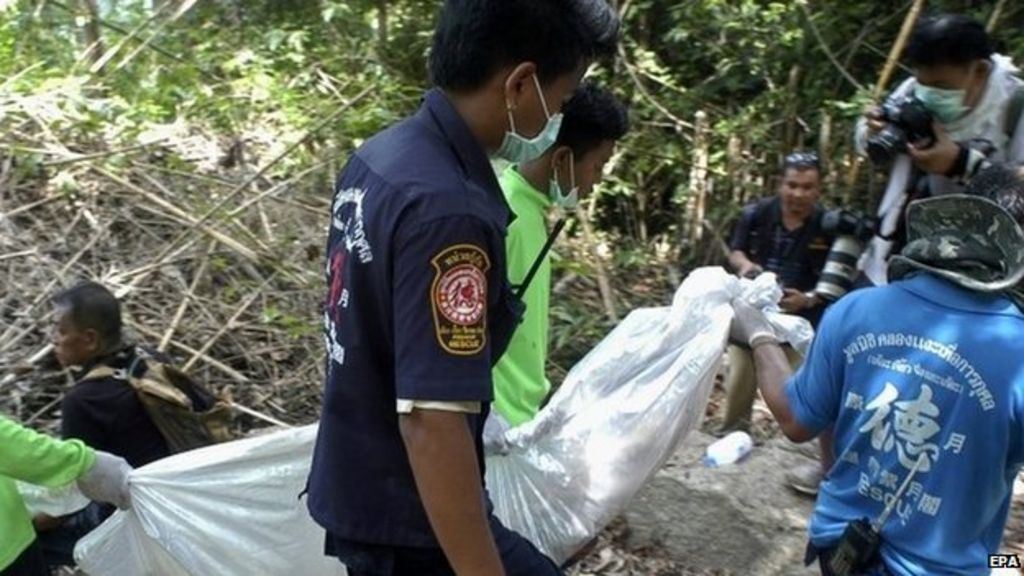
point(922, 381)
point(419, 307)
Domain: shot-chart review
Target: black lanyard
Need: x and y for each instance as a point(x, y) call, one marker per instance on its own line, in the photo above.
point(521, 288)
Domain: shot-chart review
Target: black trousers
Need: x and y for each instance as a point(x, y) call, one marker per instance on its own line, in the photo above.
point(518, 555)
point(58, 545)
point(823, 555)
point(29, 563)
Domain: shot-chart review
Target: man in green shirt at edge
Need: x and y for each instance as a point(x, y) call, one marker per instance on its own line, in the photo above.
point(593, 121)
point(31, 457)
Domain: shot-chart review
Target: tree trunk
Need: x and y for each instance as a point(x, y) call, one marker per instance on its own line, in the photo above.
point(643, 194)
point(698, 179)
point(824, 144)
point(91, 32)
point(382, 25)
point(604, 285)
point(734, 168)
point(790, 139)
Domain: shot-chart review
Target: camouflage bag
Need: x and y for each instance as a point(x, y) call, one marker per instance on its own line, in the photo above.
point(187, 415)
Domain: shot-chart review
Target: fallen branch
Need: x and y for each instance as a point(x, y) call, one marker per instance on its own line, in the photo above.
point(229, 371)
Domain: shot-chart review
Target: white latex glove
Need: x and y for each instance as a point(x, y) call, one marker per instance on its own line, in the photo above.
point(494, 433)
point(107, 481)
point(749, 325)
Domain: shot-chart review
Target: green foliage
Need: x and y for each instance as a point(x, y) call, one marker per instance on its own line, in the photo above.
point(263, 72)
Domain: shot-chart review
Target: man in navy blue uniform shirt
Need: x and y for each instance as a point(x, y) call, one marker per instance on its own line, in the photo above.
point(419, 307)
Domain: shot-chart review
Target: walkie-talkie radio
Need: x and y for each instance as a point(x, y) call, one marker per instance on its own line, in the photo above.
point(858, 548)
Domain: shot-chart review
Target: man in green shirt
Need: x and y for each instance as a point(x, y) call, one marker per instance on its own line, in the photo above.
point(31, 457)
point(593, 121)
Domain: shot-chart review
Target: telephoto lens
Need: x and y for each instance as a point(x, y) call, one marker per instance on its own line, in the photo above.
point(840, 268)
point(852, 231)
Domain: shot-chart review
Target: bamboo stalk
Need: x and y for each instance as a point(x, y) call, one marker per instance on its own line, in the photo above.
point(145, 43)
point(45, 292)
point(189, 295)
point(32, 360)
point(74, 158)
point(171, 246)
point(276, 189)
point(698, 178)
point(49, 406)
point(997, 13)
point(109, 54)
point(238, 224)
point(883, 79)
point(897, 49)
point(181, 215)
point(13, 255)
point(234, 374)
point(259, 415)
point(227, 325)
point(824, 48)
point(603, 284)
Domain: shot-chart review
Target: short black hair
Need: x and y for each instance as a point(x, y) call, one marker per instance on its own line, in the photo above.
point(475, 38)
point(591, 116)
point(1002, 184)
point(91, 306)
point(948, 39)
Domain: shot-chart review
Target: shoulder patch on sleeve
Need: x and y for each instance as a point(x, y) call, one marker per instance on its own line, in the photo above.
point(458, 298)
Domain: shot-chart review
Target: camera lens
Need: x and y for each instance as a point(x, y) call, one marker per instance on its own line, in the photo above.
point(885, 145)
point(840, 268)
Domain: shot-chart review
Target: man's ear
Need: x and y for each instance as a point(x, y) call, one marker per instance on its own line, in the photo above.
point(517, 83)
point(560, 158)
point(980, 71)
point(92, 340)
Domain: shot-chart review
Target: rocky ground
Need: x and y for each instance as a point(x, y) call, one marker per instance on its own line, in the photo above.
point(691, 520)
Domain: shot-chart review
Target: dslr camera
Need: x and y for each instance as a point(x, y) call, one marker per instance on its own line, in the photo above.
point(852, 231)
point(907, 121)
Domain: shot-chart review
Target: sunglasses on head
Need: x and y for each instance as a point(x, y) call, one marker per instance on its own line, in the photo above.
point(802, 160)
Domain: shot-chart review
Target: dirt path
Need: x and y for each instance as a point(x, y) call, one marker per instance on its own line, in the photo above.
point(692, 521)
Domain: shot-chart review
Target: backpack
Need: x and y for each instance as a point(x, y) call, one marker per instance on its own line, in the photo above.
point(187, 415)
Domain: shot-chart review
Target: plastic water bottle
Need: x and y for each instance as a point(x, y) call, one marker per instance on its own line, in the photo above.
point(732, 448)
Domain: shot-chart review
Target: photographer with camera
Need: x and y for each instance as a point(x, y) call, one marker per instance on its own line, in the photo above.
point(917, 381)
point(960, 110)
point(782, 234)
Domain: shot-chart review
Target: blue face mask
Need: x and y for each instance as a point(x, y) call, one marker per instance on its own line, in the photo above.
point(519, 149)
point(565, 201)
point(945, 104)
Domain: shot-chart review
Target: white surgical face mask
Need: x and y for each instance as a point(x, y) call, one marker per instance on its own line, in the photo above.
point(565, 201)
point(519, 149)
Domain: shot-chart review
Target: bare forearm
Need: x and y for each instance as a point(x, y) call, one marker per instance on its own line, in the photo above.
point(773, 370)
point(739, 261)
point(443, 459)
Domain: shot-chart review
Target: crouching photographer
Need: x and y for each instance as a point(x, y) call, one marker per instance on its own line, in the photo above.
point(960, 111)
point(790, 235)
point(913, 380)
